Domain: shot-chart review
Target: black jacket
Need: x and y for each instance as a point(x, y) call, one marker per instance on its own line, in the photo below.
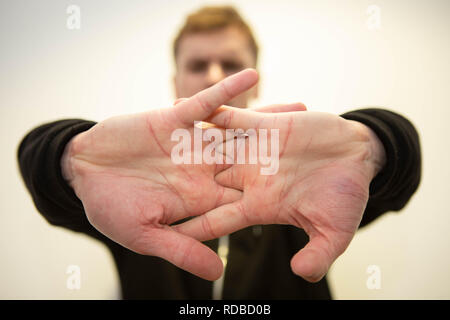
point(258, 263)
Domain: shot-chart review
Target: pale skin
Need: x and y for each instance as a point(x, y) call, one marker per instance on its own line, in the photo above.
point(322, 186)
point(298, 194)
point(132, 192)
point(207, 58)
point(121, 170)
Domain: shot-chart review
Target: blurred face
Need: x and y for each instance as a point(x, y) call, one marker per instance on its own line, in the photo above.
point(206, 58)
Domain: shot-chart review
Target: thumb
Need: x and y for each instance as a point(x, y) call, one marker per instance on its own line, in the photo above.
point(313, 261)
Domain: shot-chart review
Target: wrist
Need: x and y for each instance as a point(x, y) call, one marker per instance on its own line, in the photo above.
point(376, 155)
point(66, 162)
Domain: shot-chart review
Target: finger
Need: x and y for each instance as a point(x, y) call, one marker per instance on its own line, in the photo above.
point(229, 195)
point(184, 252)
point(219, 196)
point(231, 178)
point(203, 104)
point(276, 108)
point(179, 100)
point(238, 149)
point(314, 260)
point(234, 118)
point(215, 223)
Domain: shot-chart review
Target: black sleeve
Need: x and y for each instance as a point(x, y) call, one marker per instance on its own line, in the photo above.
point(39, 155)
point(395, 184)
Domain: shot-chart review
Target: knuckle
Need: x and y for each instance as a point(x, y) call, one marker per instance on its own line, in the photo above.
point(225, 91)
point(207, 229)
point(203, 102)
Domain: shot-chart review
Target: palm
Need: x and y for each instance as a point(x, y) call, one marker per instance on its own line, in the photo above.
point(121, 169)
point(321, 186)
point(132, 191)
point(147, 185)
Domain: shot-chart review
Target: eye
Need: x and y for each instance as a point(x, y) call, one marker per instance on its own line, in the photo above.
point(197, 66)
point(231, 66)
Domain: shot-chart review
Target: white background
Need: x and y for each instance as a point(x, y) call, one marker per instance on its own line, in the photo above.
point(321, 53)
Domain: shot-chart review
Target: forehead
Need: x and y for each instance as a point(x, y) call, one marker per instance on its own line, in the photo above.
point(223, 43)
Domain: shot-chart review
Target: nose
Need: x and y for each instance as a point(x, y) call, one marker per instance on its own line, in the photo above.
point(215, 74)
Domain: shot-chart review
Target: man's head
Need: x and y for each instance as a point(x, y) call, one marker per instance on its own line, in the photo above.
point(214, 43)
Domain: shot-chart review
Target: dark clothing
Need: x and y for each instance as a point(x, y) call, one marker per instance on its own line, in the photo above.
point(258, 265)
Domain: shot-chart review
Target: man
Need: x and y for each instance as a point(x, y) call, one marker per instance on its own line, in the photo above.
point(116, 182)
point(213, 44)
